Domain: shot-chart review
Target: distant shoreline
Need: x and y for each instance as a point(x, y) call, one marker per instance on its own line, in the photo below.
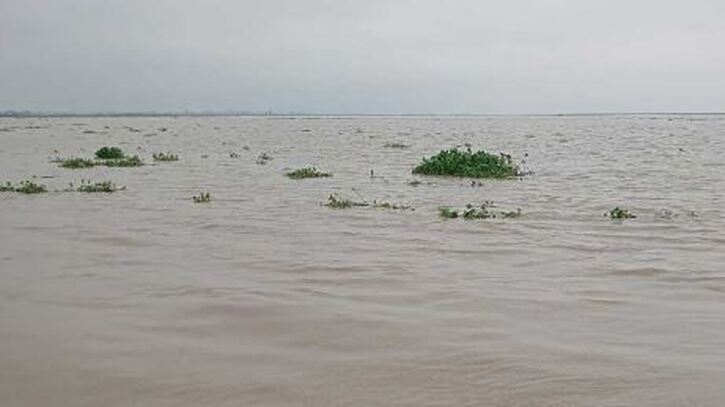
point(12, 114)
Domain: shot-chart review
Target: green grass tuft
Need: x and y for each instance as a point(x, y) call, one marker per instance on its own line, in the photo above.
point(308, 172)
point(466, 163)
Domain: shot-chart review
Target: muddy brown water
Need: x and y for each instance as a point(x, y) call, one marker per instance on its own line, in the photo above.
point(264, 297)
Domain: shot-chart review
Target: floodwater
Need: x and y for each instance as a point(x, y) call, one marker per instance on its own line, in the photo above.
point(265, 297)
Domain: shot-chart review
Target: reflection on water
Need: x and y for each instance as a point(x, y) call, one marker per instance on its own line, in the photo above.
point(266, 297)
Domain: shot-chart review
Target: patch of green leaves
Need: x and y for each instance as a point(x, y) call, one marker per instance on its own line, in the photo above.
point(620, 213)
point(109, 153)
point(465, 163)
point(203, 197)
point(471, 212)
point(75, 163)
point(24, 187)
point(165, 157)
point(307, 172)
point(133, 161)
point(104, 186)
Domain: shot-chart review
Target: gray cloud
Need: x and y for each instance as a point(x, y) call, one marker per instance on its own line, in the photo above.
point(372, 56)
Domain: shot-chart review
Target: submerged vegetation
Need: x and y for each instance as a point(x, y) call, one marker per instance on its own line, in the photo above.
point(165, 157)
point(24, 187)
point(620, 213)
point(395, 145)
point(308, 172)
point(472, 212)
point(465, 163)
point(202, 197)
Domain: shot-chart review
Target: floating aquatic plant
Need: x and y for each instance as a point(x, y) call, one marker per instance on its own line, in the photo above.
point(202, 197)
point(109, 153)
point(264, 158)
point(133, 161)
point(620, 213)
point(308, 172)
point(447, 213)
point(472, 212)
point(165, 157)
point(465, 163)
point(388, 205)
point(104, 186)
point(75, 163)
point(335, 202)
point(24, 187)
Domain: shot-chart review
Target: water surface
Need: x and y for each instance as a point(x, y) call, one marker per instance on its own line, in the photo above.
point(265, 297)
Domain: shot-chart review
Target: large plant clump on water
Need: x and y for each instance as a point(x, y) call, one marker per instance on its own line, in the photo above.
point(465, 163)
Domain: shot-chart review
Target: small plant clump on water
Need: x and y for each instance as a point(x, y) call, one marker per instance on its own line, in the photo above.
point(308, 172)
point(109, 153)
point(620, 213)
point(75, 163)
point(107, 156)
point(388, 205)
point(447, 213)
point(133, 161)
point(465, 163)
point(264, 158)
point(165, 157)
point(202, 197)
point(472, 212)
point(104, 186)
point(336, 202)
point(24, 187)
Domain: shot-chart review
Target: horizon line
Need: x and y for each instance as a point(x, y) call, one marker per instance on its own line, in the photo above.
point(50, 114)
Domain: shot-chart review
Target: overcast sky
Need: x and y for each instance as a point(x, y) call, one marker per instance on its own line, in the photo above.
point(363, 56)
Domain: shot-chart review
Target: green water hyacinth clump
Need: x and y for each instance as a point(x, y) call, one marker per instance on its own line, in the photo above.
point(133, 161)
point(472, 212)
point(76, 163)
point(308, 172)
point(104, 186)
point(620, 213)
point(335, 202)
point(203, 197)
point(24, 187)
point(109, 153)
point(165, 157)
point(465, 163)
